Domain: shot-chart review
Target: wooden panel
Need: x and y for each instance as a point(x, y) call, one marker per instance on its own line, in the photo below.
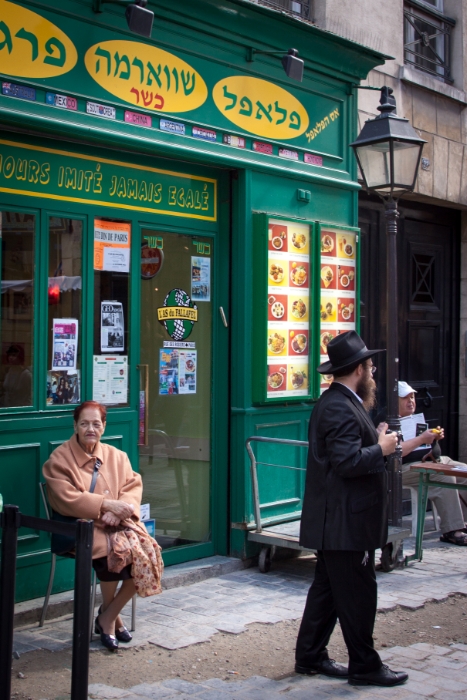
point(425, 354)
point(20, 473)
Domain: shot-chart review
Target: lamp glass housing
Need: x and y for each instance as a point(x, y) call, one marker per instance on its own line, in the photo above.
point(389, 166)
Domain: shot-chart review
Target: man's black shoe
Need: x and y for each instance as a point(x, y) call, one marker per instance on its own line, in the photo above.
point(328, 667)
point(383, 676)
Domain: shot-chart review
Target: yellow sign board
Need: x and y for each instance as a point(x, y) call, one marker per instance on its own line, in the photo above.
point(260, 107)
point(146, 76)
point(173, 312)
point(31, 46)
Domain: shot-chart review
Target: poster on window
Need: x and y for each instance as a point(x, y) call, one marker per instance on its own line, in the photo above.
point(187, 371)
point(110, 379)
point(64, 343)
point(112, 245)
point(112, 327)
point(63, 387)
point(168, 372)
point(200, 279)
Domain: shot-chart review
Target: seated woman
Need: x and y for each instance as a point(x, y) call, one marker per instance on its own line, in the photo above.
point(116, 497)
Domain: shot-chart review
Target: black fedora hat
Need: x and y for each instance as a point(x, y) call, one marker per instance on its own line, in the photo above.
point(345, 350)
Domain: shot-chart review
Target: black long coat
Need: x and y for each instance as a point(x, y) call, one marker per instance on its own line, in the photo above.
point(345, 502)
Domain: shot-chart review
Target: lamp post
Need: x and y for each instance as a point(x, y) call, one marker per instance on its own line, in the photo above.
point(388, 151)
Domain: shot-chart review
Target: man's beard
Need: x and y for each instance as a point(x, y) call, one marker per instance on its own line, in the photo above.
point(366, 389)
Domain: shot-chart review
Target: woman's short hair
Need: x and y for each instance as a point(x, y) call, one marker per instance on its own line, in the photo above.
point(90, 404)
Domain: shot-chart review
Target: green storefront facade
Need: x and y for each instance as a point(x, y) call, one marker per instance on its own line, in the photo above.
point(178, 242)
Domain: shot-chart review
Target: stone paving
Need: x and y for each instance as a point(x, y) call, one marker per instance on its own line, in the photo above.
point(191, 614)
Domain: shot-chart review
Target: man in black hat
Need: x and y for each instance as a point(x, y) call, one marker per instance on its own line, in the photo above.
point(344, 518)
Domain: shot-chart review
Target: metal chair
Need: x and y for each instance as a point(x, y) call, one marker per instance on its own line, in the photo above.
point(48, 513)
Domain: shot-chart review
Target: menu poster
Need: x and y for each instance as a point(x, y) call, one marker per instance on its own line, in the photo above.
point(112, 245)
point(65, 343)
point(187, 371)
point(112, 326)
point(177, 372)
point(110, 379)
point(338, 288)
point(288, 303)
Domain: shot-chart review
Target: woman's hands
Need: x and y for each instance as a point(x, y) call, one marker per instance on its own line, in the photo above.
point(116, 511)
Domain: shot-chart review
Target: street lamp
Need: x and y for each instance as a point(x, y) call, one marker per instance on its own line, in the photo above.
point(388, 151)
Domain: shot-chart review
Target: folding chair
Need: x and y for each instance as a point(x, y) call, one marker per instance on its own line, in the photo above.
point(48, 513)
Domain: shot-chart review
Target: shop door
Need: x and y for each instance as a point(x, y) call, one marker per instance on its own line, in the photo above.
point(182, 400)
point(428, 275)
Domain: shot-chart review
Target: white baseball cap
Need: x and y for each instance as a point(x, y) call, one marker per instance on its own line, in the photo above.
point(405, 389)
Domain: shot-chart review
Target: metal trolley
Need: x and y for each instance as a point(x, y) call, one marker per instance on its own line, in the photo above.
point(284, 531)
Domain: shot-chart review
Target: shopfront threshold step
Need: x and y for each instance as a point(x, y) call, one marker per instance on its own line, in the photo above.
point(177, 575)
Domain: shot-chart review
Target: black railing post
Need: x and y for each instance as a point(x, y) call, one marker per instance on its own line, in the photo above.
point(82, 604)
point(10, 521)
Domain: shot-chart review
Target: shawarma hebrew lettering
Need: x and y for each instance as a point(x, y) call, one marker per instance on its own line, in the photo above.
point(146, 76)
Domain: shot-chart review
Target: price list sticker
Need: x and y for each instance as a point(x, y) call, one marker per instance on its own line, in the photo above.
point(288, 331)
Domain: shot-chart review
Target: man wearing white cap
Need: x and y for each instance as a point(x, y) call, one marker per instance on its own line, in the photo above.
point(447, 501)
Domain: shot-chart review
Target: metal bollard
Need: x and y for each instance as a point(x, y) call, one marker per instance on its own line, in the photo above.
point(82, 604)
point(10, 520)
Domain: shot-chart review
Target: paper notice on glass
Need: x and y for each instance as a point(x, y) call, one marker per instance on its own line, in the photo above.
point(65, 343)
point(110, 379)
point(201, 279)
point(112, 245)
point(409, 425)
point(187, 371)
point(112, 326)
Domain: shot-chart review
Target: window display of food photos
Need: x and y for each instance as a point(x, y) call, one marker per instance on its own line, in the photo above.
point(288, 331)
point(338, 249)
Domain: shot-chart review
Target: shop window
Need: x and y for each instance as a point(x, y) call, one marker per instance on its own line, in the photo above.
point(17, 303)
point(293, 7)
point(427, 37)
point(112, 242)
point(64, 296)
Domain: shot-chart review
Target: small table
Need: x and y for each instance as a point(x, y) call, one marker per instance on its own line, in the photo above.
point(427, 469)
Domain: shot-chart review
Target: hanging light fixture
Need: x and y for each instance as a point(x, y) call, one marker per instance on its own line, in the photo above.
point(138, 17)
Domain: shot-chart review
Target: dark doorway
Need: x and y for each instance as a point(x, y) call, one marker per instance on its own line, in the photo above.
point(429, 288)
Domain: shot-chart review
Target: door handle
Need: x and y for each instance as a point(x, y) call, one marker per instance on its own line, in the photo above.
point(143, 440)
point(428, 400)
point(224, 320)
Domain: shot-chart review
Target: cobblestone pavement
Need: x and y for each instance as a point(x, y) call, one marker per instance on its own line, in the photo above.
point(434, 672)
point(228, 603)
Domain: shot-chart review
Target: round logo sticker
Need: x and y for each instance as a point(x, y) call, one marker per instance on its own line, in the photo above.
point(178, 315)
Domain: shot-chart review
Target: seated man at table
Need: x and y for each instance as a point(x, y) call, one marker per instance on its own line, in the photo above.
point(447, 501)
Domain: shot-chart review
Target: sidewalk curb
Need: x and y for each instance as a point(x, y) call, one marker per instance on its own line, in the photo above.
point(175, 576)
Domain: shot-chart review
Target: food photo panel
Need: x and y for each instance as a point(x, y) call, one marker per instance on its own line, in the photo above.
point(299, 238)
point(277, 378)
point(298, 342)
point(328, 309)
point(346, 245)
point(277, 342)
point(278, 273)
point(277, 237)
point(346, 310)
point(297, 378)
point(299, 274)
point(328, 243)
point(328, 276)
point(277, 307)
point(325, 338)
point(298, 307)
point(346, 278)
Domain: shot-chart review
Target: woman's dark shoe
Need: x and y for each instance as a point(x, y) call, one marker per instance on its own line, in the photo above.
point(107, 640)
point(123, 635)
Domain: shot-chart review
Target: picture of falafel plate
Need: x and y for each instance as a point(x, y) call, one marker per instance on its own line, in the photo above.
point(327, 275)
point(277, 309)
point(325, 339)
point(276, 273)
point(298, 274)
point(299, 240)
point(275, 380)
point(276, 342)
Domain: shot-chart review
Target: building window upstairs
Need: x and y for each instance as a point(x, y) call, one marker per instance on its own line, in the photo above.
point(427, 37)
point(296, 8)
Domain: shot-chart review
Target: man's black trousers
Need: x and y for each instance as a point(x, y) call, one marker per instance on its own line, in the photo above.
point(345, 588)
